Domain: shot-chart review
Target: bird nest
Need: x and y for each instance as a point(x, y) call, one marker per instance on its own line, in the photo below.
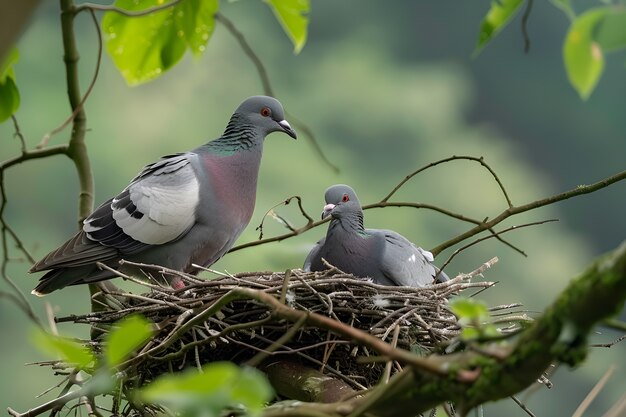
point(250, 317)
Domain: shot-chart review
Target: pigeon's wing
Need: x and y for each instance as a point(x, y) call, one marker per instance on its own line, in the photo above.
point(404, 263)
point(157, 207)
point(313, 255)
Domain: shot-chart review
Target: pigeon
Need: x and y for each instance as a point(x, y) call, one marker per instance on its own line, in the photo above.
point(385, 256)
point(186, 208)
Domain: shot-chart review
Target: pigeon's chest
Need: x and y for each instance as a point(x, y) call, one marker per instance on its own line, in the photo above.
point(231, 182)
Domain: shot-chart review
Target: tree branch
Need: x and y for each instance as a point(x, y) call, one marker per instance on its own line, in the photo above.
point(77, 151)
point(579, 190)
point(480, 160)
point(79, 107)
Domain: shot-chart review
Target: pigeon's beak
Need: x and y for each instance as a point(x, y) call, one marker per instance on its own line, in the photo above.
point(328, 208)
point(284, 124)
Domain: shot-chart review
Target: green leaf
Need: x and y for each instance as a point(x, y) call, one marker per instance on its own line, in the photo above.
point(566, 7)
point(499, 14)
point(195, 20)
point(583, 56)
point(469, 309)
point(69, 350)
point(470, 333)
point(6, 67)
point(9, 94)
point(252, 390)
point(292, 15)
point(129, 334)
point(218, 386)
point(144, 47)
point(611, 31)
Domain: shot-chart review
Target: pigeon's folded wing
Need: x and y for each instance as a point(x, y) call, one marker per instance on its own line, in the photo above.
point(403, 263)
point(157, 207)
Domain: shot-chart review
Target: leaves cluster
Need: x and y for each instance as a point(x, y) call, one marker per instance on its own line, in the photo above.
point(218, 386)
point(473, 316)
point(591, 35)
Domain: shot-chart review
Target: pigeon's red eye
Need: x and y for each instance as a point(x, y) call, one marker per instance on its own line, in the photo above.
point(266, 112)
point(345, 198)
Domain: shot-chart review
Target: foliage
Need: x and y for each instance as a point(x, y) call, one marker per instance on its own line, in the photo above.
point(216, 387)
point(292, 15)
point(473, 317)
point(591, 34)
point(9, 95)
point(144, 46)
point(121, 341)
point(129, 334)
point(70, 351)
point(207, 392)
point(498, 16)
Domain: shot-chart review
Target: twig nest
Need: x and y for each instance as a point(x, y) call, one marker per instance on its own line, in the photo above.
point(221, 319)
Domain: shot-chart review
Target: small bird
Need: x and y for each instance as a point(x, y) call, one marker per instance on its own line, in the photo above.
point(187, 208)
point(385, 256)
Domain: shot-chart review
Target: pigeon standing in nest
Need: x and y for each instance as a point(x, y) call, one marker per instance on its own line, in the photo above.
point(187, 208)
point(385, 256)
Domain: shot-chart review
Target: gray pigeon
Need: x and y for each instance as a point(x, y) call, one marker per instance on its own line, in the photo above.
point(184, 209)
point(383, 255)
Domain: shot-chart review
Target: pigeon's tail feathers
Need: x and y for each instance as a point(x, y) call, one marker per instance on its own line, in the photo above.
point(79, 251)
point(59, 278)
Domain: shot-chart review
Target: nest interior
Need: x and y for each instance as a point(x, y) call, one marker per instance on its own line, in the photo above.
point(212, 321)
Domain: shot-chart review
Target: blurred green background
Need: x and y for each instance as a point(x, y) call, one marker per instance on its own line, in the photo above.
point(387, 87)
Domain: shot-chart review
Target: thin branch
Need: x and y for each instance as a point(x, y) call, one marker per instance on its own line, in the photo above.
point(585, 403)
point(247, 49)
point(611, 344)
point(267, 86)
point(34, 154)
point(50, 405)
point(496, 234)
point(383, 204)
point(522, 406)
point(394, 343)
point(579, 190)
point(128, 13)
point(480, 160)
point(47, 136)
point(279, 237)
point(525, 17)
point(18, 133)
point(285, 202)
point(23, 301)
point(281, 342)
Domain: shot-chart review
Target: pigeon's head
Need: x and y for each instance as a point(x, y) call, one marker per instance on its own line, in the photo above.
point(340, 199)
point(266, 113)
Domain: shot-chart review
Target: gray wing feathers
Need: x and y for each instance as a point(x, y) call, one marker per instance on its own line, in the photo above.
point(157, 207)
point(404, 263)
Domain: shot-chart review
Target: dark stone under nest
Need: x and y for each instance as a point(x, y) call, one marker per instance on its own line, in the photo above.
point(211, 320)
